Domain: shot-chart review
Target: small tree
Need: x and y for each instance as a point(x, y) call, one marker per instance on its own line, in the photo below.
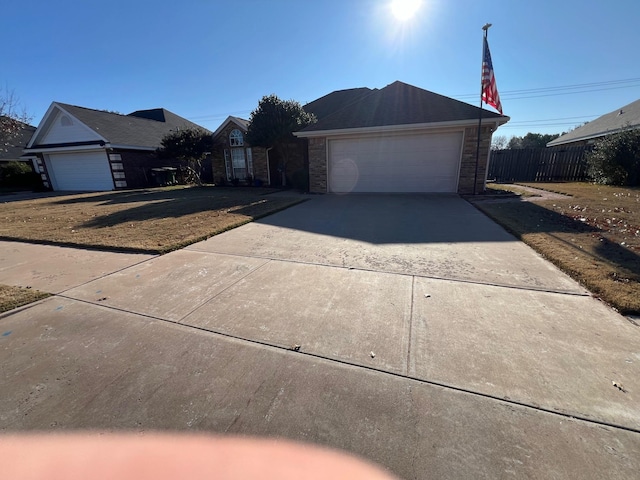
point(499, 142)
point(12, 118)
point(190, 146)
point(272, 124)
point(615, 159)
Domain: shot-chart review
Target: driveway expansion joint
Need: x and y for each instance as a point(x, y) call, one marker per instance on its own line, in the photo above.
point(584, 293)
point(253, 270)
point(443, 385)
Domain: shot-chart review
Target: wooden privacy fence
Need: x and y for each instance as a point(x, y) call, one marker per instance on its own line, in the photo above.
point(554, 164)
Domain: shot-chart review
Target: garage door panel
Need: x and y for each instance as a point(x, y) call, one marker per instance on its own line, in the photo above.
point(80, 171)
point(408, 163)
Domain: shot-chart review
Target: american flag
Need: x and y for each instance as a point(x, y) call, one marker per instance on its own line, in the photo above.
point(489, 90)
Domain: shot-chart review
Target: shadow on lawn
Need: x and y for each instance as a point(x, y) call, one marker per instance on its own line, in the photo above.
point(157, 195)
point(522, 217)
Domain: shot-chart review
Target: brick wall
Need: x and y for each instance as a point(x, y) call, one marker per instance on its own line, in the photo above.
point(468, 163)
point(318, 165)
point(258, 155)
point(137, 167)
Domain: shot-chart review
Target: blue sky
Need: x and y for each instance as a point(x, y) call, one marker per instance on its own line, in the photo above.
point(207, 59)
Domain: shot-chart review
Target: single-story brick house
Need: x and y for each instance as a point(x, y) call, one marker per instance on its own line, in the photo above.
point(234, 158)
point(79, 148)
point(612, 122)
point(399, 138)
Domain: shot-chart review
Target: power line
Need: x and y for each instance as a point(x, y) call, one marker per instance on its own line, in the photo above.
point(583, 87)
point(553, 119)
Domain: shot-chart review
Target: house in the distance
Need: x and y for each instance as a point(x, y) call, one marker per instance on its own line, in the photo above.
point(613, 122)
point(400, 138)
point(82, 149)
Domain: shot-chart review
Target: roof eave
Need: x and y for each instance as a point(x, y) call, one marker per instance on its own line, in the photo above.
point(396, 128)
point(555, 143)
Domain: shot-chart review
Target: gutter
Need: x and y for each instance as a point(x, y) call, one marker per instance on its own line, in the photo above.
point(396, 128)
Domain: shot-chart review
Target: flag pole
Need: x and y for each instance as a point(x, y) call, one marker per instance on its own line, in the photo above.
point(475, 178)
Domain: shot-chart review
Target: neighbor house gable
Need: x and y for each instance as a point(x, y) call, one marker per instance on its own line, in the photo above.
point(230, 123)
point(59, 127)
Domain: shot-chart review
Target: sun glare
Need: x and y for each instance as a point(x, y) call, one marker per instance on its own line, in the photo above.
point(404, 10)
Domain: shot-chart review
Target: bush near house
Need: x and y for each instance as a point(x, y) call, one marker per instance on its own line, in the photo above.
point(18, 175)
point(615, 159)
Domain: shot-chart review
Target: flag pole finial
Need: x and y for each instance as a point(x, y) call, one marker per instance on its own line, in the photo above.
point(486, 27)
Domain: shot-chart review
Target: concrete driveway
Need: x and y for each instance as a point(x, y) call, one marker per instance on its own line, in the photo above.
point(410, 330)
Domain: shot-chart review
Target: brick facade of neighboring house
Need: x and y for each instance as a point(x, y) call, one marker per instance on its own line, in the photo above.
point(233, 157)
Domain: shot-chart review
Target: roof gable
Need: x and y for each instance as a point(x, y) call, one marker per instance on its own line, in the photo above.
point(142, 129)
point(400, 104)
point(619, 119)
point(59, 126)
point(237, 121)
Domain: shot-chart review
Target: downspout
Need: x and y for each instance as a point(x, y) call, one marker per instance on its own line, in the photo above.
point(268, 167)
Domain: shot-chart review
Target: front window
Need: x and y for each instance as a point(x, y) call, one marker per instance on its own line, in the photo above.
point(238, 163)
point(236, 139)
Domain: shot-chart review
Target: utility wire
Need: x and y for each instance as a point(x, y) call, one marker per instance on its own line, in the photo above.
point(562, 87)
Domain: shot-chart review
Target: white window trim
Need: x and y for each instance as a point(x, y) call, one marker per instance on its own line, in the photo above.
point(236, 138)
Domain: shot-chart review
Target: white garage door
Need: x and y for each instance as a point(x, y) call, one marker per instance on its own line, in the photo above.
point(399, 163)
point(80, 171)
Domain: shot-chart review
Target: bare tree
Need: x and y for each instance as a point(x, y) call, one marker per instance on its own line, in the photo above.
point(499, 142)
point(13, 116)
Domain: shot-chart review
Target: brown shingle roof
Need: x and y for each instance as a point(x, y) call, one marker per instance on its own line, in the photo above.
point(143, 128)
point(15, 145)
point(399, 104)
point(334, 101)
point(620, 118)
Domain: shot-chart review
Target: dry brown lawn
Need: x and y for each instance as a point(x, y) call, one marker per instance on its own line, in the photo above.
point(594, 236)
point(14, 297)
point(151, 221)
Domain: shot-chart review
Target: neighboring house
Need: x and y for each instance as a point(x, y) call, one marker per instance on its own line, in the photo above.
point(78, 148)
point(12, 151)
point(613, 122)
point(397, 139)
point(236, 159)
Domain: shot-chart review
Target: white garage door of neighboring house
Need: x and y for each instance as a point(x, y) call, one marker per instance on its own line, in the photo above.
point(398, 163)
point(80, 171)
